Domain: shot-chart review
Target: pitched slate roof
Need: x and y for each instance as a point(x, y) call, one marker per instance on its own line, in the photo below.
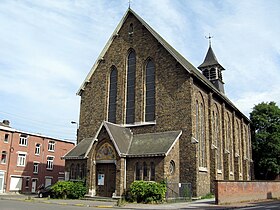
point(121, 136)
point(153, 144)
point(210, 59)
point(185, 63)
point(127, 144)
point(81, 150)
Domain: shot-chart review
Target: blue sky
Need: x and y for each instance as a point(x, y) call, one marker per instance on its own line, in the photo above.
point(47, 48)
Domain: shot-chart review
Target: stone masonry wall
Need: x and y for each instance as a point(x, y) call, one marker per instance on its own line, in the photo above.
point(176, 93)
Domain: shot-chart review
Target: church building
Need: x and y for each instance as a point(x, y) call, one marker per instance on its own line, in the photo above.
point(147, 113)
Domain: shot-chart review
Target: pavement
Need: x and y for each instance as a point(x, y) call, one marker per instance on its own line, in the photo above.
point(109, 203)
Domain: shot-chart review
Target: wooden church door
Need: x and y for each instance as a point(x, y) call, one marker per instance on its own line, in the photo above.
point(105, 170)
point(105, 179)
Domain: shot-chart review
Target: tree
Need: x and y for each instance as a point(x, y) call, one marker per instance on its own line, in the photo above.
point(265, 119)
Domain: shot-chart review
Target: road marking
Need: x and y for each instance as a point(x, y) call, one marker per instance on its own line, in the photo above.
point(79, 204)
point(253, 207)
point(104, 206)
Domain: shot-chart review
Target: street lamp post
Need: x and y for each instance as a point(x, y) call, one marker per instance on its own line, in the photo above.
point(74, 122)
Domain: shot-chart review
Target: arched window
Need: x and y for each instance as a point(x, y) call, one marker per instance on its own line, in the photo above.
point(137, 171)
point(230, 144)
point(77, 171)
point(145, 171)
point(249, 143)
point(153, 172)
point(83, 171)
point(113, 95)
point(219, 142)
point(131, 29)
point(72, 171)
point(150, 91)
point(202, 142)
point(239, 147)
point(197, 121)
point(130, 91)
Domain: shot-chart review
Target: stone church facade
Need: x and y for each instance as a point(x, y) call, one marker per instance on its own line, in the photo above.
point(148, 114)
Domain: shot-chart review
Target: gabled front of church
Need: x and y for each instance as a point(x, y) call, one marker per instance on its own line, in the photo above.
point(148, 114)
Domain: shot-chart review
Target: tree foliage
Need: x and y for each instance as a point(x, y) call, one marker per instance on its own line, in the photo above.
point(265, 119)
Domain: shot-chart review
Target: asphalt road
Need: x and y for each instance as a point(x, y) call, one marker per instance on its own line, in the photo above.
point(29, 205)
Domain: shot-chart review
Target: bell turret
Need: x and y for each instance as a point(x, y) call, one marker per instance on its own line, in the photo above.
point(212, 70)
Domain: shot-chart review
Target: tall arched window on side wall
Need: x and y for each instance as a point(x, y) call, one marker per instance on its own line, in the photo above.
point(113, 95)
point(150, 92)
point(130, 88)
point(219, 143)
point(202, 142)
point(197, 122)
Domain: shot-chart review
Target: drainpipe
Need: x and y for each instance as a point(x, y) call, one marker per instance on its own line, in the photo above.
point(124, 174)
point(11, 149)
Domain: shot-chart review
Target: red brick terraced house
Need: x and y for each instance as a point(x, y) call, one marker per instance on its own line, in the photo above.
point(148, 114)
point(29, 160)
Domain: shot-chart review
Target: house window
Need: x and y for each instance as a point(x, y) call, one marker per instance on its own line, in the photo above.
point(6, 138)
point(150, 91)
point(130, 88)
point(23, 140)
point(153, 171)
point(37, 149)
point(27, 180)
point(21, 159)
point(50, 162)
point(113, 95)
point(138, 171)
point(35, 168)
point(51, 146)
point(4, 157)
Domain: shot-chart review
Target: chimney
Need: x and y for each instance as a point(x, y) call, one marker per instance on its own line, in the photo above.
point(6, 123)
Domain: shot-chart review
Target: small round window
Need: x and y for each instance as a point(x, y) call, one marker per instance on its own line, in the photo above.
point(172, 167)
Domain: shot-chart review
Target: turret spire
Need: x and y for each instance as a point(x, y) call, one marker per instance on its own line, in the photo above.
point(211, 68)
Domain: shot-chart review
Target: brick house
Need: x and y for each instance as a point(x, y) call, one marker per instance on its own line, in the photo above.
point(29, 160)
point(148, 114)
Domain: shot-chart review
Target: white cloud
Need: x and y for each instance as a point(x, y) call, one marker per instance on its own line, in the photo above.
point(49, 46)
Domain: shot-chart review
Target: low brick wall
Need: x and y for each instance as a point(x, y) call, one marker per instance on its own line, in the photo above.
point(240, 191)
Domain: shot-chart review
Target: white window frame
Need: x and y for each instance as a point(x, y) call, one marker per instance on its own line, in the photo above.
point(35, 166)
point(21, 159)
point(51, 146)
point(37, 149)
point(23, 140)
point(50, 162)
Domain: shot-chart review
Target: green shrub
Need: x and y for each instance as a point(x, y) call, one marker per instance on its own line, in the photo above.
point(147, 192)
point(78, 190)
point(68, 189)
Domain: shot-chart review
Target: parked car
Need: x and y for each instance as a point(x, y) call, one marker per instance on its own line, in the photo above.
point(45, 191)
